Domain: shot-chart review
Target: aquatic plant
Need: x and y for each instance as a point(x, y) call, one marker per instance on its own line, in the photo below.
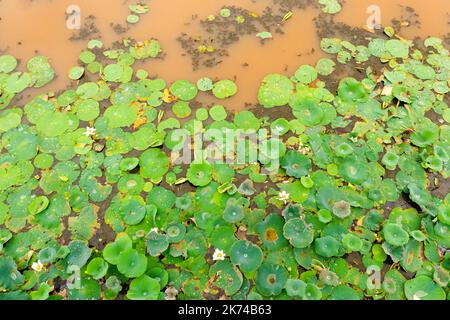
point(96, 165)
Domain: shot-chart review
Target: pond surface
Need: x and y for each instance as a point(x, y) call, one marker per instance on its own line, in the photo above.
point(28, 27)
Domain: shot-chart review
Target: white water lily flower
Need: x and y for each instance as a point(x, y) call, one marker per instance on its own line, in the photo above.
point(387, 91)
point(219, 255)
point(90, 132)
point(37, 266)
point(171, 293)
point(284, 196)
point(155, 230)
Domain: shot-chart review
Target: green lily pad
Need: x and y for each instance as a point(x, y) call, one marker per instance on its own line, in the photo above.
point(88, 110)
point(10, 278)
point(133, 18)
point(398, 48)
point(184, 90)
point(330, 6)
point(154, 164)
point(264, 35)
point(199, 174)
point(306, 74)
point(271, 279)
point(182, 109)
point(76, 73)
point(342, 209)
point(97, 268)
point(53, 124)
point(161, 198)
point(296, 164)
point(227, 277)
point(41, 71)
point(224, 89)
point(423, 288)
point(9, 121)
point(120, 115)
point(325, 66)
point(79, 254)
point(115, 249)
point(144, 288)
point(7, 63)
point(246, 120)
point(327, 246)
point(132, 212)
point(131, 263)
point(307, 110)
point(298, 232)
point(353, 171)
point(352, 242)
point(246, 255)
point(351, 90)
point(295, 288)
point(233, 213)
point(113, 72)
point(275, 91)
point(156, 243)
point(395, 235)
point(218, 113)
point(176, 232)
point(426, 134)
point(271, 232)
point(205, 84)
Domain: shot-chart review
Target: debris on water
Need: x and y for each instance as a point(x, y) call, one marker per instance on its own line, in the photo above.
point(87, 30)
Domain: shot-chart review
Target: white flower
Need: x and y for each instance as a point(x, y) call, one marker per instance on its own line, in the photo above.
point(155, 230)
point(218, 255)
point(303, 151)
point(37, 266)
point(387, 91)
point(171, 293)
point(284, 196)
point(90, 132)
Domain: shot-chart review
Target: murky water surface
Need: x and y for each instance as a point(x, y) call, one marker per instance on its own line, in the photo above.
point(28, 27)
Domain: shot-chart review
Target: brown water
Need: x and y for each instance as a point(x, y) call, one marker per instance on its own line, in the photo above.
point(28, 27)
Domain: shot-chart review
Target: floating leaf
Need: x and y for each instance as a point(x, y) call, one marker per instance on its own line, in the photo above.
point(276, 91)
point(264, 35)
point(184, 90)
point(144, 288)
point(224, 89)
point(330, 6)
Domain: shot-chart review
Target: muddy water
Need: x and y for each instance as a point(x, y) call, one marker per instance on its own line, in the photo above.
point(28, 27)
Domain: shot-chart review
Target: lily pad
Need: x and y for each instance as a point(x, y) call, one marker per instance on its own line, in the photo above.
point(7, 63)
point(327, 246)
point(184, 90)
point(131, 263)
point(423, 288)
point(298, 232)
point(154, 164)
point(224, 89)
point(246, 255)
point(296, 164)
point(199, 174)
point(144, 288)
point(76, 73)
point(271, 279)
point(97, 268)
point(275, 91)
